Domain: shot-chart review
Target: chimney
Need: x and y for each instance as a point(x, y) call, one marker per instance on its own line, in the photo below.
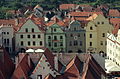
point(16, 22)
point(56, 62)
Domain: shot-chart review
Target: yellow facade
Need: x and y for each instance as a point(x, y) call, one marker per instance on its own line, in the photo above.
point(96, 32)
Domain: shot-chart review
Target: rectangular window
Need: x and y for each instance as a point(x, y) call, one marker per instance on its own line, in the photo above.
point(90, 43)
point(103, 34)
point(55, 37)
point(22, 43)
point(7, 32)
point(33, 43)
point(26, 30)
point(39, 36)
point(70, 43)
point(90, 35)
point(21, 36)
point(61, 37)
point(40, 42)
point(75, 43)
point(49, 44)
point(101, 43)
point(61, 44)
point(49, 37)
point(33, 36)
point(54, 30)
point(55, 44)
point(28, 43)
point(39, 77)
point(28, 36)
point(32, 29)
point(7, 41)
point(80, 43)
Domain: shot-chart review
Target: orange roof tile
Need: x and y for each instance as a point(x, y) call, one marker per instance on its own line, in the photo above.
point(84, 14)
point(114, 12)
point(67, 6)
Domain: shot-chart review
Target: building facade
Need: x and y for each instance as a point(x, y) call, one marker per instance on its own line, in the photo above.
point(96, 32)
point(55, 38)
point(29, 35)
point(113, 47)
point(6, 37)
point(75, 36)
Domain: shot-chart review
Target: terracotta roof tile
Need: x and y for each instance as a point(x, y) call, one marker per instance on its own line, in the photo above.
point(114, 12)
point(67, 6)
point(84, 14)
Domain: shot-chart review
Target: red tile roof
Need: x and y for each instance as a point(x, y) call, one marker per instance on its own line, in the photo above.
point(116, 28)
point(24, 67)
point(114, 21)
point(6, 65)
point(7, 22)
point(84, 14)
point(67, 6)
point(114, 13)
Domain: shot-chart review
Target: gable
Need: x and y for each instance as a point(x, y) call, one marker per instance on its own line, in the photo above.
point(54, 27)
point(29, 24)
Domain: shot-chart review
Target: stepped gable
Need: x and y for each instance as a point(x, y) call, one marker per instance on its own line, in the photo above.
point(24, 68)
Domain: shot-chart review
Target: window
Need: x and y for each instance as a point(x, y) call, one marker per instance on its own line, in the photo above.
point(40, 42)
point(74, 29)
point(102, 22)
point(28, 43)
point(90, 43)
point(98, 22)
point(39, 36)
point(84, 34)
point(26, 30)
point(71, 35)
point(75, 43)
point(103, 34)
point(54, 30)
point(49, 37)
point(90, 35)
point(55, 37)
point(4, 41)
point(39, 76)
point(49, 44)
point(7, 41)
point(101, 43)
point(32, 29)
point(78, 35)
point(28, 36)
point(4, 32)
point(61, 44)
point(55, 44)
point(34, 43)
point(22, 43)
point(80, 43)
point(21, 36)
point(61, 37)
point(91, 28)
point(33, 36)
point(70, 43)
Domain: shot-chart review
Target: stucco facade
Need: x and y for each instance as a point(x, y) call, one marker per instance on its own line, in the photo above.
point(29, 36)
point(96, 32)
point(55, 38)
point(75, 36)
point(6, 37)
point(113, 47)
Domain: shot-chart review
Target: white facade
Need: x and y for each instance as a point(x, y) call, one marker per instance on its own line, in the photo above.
point(6, 37)
point(113, 47)
point(29, 35)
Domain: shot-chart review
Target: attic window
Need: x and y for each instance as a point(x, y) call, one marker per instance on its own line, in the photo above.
point(98, 22)
point(32, 29)
point(91, 28)
point(26, 30)
point(102, 22)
